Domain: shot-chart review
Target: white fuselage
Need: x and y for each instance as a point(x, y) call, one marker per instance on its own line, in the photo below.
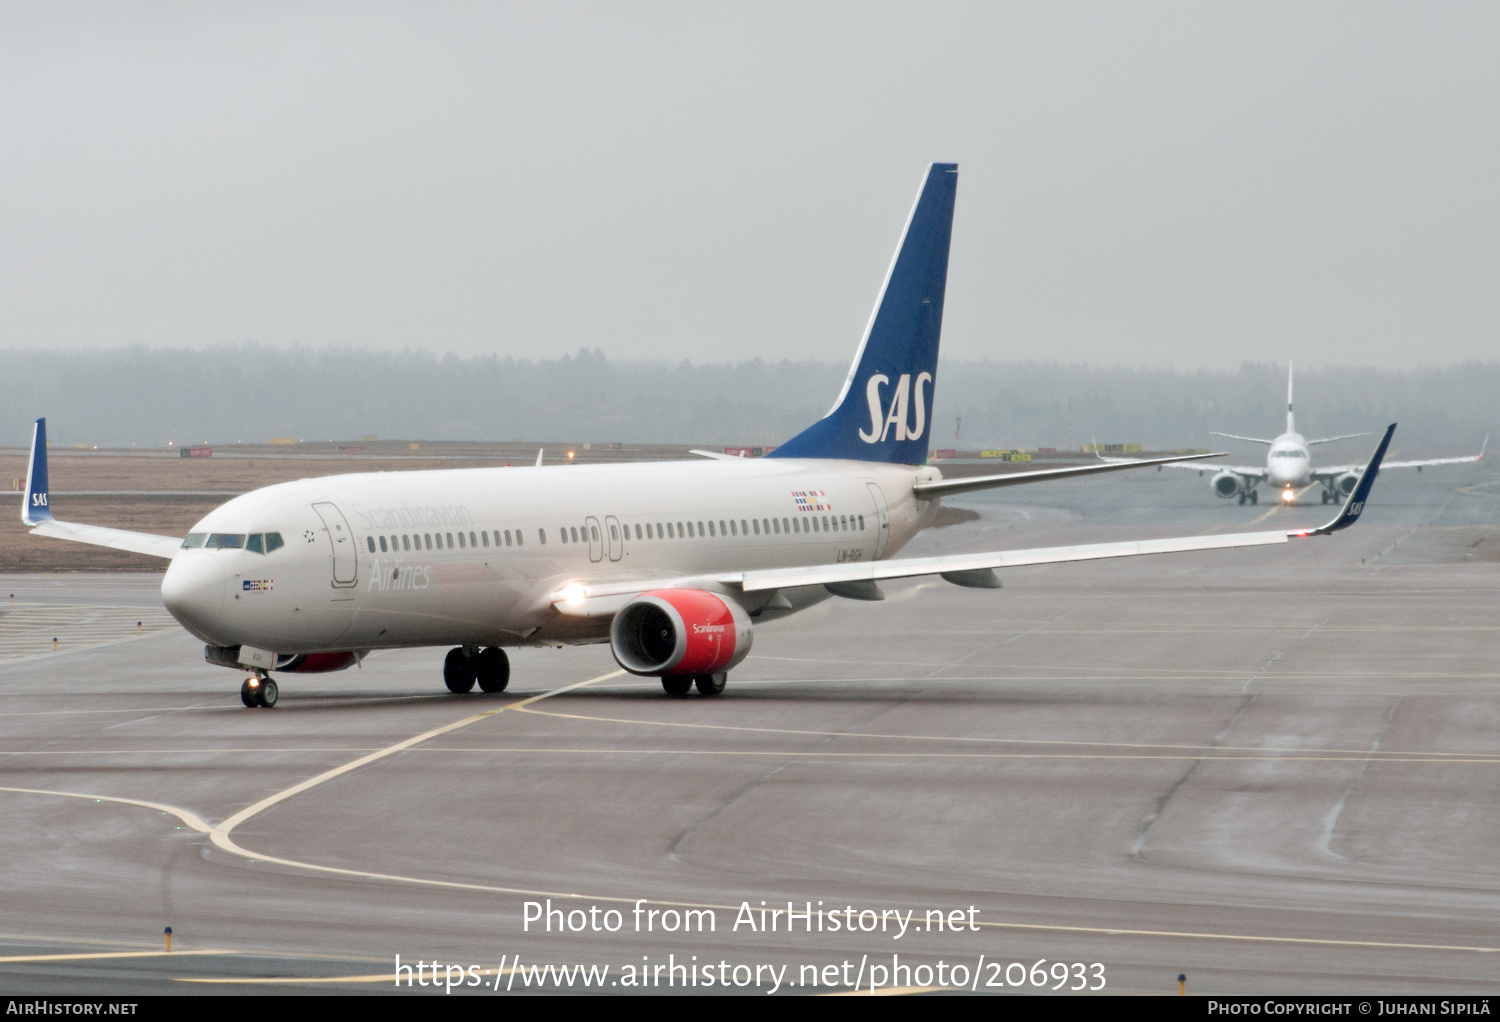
point(1288, 462)
point(477, 556)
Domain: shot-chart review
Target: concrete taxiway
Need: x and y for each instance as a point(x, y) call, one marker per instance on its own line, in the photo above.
point(1273, 770)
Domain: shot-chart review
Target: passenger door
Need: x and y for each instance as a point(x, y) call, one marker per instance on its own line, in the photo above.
point(596, 539)
point(616, 537)
point(882, 519)
point(345, 558)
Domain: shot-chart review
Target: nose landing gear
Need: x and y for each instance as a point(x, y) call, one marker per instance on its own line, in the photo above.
point(259, 690)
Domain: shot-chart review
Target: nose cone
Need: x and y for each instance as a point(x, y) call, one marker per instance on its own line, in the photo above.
point(193, 591)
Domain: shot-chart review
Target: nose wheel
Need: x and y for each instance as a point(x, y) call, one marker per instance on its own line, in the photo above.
point(259, 691)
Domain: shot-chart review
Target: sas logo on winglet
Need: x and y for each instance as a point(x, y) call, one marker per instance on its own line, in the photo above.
point(258, 585)
point(883, 417)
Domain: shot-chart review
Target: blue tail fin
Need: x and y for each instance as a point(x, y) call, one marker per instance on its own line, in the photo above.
point(35, 509)
point(884, 411)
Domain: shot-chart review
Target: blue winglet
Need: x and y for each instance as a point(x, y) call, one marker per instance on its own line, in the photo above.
point(1355, 505)
point(884, 411)
point(35, 510)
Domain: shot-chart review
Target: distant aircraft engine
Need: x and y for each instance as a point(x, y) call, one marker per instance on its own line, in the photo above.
point(679, 632)
point(1227, 484)
point(1347, 482)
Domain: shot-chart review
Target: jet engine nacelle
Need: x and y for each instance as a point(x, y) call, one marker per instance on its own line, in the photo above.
point(1227, 484)
point(1347, 482)
point(679, 631)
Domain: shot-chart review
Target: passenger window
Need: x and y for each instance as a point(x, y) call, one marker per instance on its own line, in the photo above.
point(637, 532)
point(573, 531)
point(594, 531)
point(659, 533)
point(757, 527)
point(785, 525)
point(273, 541)
point(427, 540)
point(541, 536)
point(613, 534)
point(733, 529)
point(460, 539)
point(497, 536)
point(405, 543)
point(507, 538)
point(254, 543)
point(382, 545)
point(700, 528)
point(450, 541)
point(710, 527)
point(486, 537)
point(471, 539)
point(721, 527)
point(825, 524)
point(194, 540)
point(522, 542)
point(564, 531)
point(861, 523)
point(370, 542)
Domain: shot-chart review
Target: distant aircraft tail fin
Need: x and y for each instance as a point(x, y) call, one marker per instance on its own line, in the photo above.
point(35, 509)
point(1291, 423)
point(884, 411)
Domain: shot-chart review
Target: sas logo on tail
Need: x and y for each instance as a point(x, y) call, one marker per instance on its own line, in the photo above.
point(897, 413)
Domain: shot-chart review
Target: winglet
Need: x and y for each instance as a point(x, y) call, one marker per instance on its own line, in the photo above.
point(1355, 505)
point(539, 451)
point(35, 509)
point(1480, 455)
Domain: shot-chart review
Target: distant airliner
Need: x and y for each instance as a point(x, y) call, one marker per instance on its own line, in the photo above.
point(673, 564)
point(1289, 464)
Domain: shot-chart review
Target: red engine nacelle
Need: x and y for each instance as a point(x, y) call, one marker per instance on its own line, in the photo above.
point(679, 631)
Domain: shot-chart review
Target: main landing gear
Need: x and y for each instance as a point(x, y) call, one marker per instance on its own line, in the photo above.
point(677, 685)
point(466, 665)
point(1249, 497)
point(259, 690)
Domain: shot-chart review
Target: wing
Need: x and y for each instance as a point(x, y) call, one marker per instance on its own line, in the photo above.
point(974, 570)
point(36, 513)
point(1247, 439)
point(949, 487)
point(1254, 472)
point(1338, 470)
point(1346, 436)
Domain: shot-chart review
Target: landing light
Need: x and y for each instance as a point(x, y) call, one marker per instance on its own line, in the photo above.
point(573, 594)
point(1287, 495)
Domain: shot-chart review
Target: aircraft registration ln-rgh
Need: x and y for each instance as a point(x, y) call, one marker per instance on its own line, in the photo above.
point(673, 564)
point(1289, 465)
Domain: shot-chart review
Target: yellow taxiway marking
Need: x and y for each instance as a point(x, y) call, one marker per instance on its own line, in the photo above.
point(188, 817)
point(90, 955)
point(383, 977)
point(219, 835)
point(1360, 754)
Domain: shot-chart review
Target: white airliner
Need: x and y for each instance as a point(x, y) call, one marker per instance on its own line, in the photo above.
point(673, 564)
point(1289, 465)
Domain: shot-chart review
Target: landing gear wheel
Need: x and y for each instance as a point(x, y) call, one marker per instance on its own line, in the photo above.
point(710, 684)
point(1242, 500)
point(269, 693)
point(458, 671)
point(677, 685)
point(1255, 496)
point(250, 693)
point(492, 667)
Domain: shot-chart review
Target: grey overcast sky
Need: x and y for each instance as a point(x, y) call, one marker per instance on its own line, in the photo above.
point(1186, 185)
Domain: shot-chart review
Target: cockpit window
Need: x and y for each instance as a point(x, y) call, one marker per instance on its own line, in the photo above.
point(225, 541)
point(194, 540)
point(253, 543)
point(273, 541)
